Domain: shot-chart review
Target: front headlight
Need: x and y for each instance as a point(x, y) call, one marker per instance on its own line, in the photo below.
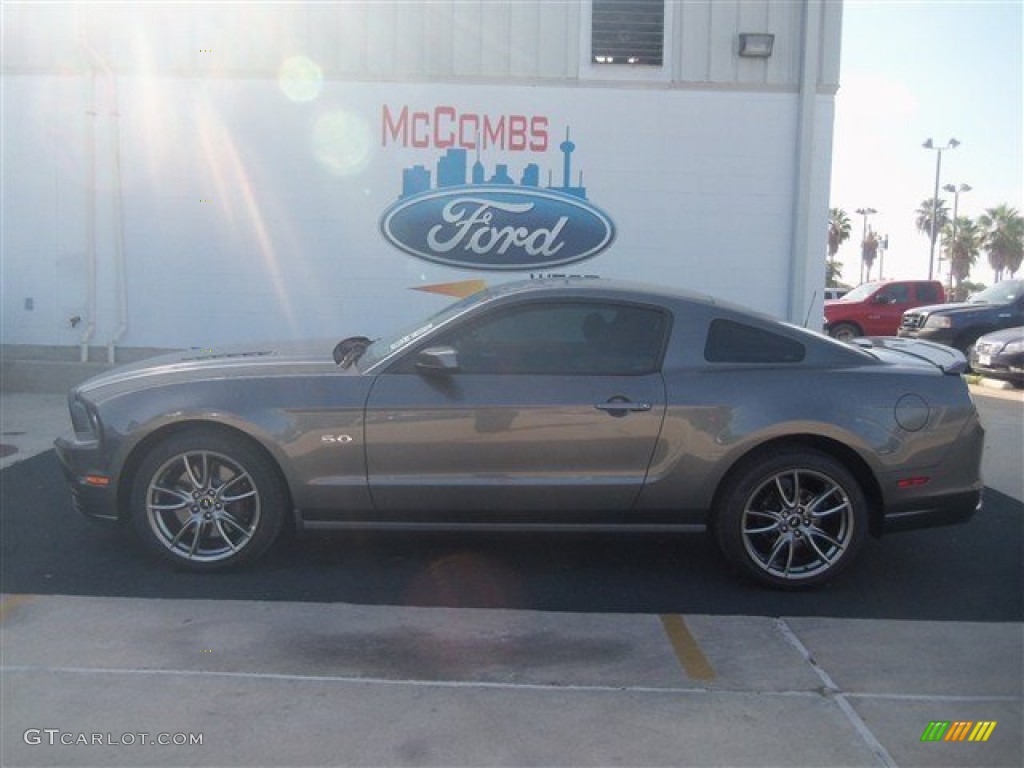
point(84, 420)
point(939, 321)
point(1014, 348)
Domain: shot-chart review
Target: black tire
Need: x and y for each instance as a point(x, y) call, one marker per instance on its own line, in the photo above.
point(791, 518)
point(845, 332)
point(205, 500)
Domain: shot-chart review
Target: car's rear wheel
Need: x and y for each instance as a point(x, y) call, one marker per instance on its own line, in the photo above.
point(791, 518)
point(845, 332)
point(205, 500)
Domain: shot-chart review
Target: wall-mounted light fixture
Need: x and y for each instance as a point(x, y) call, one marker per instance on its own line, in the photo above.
point(756, 46)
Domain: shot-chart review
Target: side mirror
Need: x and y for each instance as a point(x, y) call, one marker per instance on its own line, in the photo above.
point(438, 361)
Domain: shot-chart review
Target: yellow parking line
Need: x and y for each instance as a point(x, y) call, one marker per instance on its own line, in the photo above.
point(9, 603)
point(695, 663)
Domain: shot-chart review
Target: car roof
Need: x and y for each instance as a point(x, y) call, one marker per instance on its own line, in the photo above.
point(603, 286)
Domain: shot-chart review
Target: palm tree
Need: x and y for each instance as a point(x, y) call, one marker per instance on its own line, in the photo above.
point(1002, 231)
point(963, 251)
point(869, 251)
point(924, 218)
point(838, 233)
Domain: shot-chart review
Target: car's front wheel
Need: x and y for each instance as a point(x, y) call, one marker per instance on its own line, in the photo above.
point(845, 332)
point(205, 500)
point(792, 518)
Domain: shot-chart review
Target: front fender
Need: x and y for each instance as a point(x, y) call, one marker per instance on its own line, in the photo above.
point(288, 417)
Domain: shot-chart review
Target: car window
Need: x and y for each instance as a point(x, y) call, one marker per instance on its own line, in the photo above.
point(929, 293)
point(588, 338)
point(732, 342)
point(895, 294)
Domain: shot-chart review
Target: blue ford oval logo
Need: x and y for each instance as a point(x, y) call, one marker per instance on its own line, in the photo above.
point(497, 227)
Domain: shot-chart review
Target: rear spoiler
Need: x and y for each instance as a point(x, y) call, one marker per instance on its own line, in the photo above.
point(947, 359)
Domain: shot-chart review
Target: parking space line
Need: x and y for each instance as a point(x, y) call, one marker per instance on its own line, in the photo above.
point(9, 603)
point(692, 658)
point(31, 669)
point(840, 698)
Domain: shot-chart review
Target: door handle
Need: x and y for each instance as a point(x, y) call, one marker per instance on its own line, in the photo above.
point(617, 407)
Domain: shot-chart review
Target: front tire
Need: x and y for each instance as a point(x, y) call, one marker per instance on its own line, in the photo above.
point(205, 500)
point(793, 518)
point(845, 332)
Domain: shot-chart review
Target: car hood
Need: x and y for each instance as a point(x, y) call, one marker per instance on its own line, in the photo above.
point(1004, 336)
point(840, 304)
point(960, 308)
point(281, 358)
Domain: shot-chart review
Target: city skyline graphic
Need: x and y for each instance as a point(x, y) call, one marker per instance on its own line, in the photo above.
point(453, 170)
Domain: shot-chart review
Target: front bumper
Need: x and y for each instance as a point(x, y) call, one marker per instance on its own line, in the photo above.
point(83, 469)
point(938, 335)
point(1007, 367)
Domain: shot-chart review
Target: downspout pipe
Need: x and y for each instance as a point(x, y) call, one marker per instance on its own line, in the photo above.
point(806, 131)
point(117, 218)
point(120, 266)
point(90, 223)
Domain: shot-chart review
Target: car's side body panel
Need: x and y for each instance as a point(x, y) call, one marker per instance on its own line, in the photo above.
point(519, 444)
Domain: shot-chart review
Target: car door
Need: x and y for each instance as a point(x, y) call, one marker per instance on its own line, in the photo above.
point(886, 310)
point(1012, 315)
point(555, 407)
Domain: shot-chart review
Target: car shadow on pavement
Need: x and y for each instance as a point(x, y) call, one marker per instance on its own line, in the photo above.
point(971, 572)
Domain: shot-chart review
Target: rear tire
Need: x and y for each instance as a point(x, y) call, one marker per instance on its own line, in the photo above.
point(791, 518)
point(205, 500)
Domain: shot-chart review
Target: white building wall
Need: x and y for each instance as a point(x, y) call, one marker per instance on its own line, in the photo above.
point(251, 205)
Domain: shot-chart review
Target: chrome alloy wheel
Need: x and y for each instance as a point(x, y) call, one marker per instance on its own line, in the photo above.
point(203, 506)
point(798, 524)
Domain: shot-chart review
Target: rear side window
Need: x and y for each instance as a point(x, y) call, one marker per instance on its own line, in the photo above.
point(732, 342)
point(928, 292)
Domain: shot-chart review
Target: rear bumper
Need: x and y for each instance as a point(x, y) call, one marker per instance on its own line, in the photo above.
point(948, 510)
point(950, 492)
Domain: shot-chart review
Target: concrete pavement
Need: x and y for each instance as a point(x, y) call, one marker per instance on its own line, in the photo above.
point(100, 681)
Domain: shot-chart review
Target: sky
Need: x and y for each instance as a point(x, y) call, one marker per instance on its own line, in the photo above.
point(910, 71)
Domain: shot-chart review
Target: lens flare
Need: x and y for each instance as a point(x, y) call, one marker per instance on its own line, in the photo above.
point(342, 143)
point(300, 79)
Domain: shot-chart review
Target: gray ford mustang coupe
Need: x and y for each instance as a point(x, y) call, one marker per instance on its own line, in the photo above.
point(557, 404)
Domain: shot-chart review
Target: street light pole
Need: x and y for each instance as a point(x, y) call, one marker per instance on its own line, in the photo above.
point(952, 144)
point(956, 206)
point(865, 212)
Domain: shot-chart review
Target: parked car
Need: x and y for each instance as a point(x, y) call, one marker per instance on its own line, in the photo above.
point(960, 325)
point(559, 403)
point(1000, 355)
point(832, 294)
point(875, 309)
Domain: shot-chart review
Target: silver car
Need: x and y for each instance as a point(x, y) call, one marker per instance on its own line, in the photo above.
point(558, 404)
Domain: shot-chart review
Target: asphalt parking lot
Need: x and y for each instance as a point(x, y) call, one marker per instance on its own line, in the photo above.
point(455, 649)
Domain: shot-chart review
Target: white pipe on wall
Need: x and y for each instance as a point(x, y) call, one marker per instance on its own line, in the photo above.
point(806, 133)
point(120, 266)
point(90, 223)
point(117, 218)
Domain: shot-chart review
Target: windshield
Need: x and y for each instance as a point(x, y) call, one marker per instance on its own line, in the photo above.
point(1000, 293)
point(388, 345)
point(861, 292)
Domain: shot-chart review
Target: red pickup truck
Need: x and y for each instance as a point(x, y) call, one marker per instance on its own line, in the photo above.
point(875, 309)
